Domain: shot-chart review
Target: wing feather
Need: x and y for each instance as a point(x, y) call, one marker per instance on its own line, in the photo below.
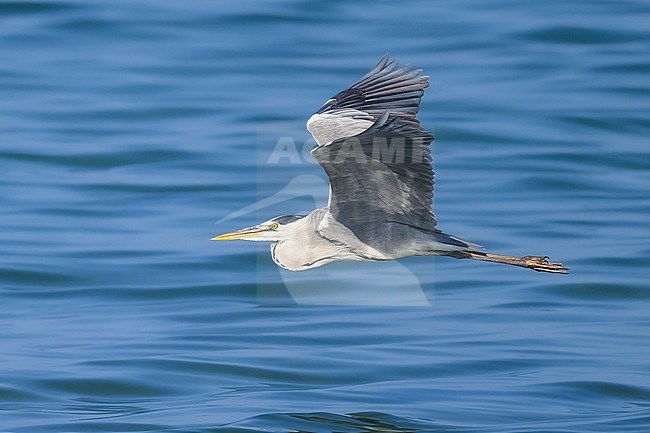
point(382, 175)
point(386, 87)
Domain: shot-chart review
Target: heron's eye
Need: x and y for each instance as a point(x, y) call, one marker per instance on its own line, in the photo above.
point(274, 226)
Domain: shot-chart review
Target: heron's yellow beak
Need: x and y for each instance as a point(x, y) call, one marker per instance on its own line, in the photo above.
point(247, 233)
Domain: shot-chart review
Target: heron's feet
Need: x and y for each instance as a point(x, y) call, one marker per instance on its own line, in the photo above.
point(541, 264)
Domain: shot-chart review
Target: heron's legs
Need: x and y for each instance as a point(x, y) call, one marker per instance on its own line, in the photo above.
point(536, 263)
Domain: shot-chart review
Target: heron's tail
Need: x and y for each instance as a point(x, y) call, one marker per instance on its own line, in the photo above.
point(446, 239)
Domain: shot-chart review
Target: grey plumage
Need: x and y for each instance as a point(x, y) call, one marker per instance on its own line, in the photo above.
point(378, 161)
point(383, 174)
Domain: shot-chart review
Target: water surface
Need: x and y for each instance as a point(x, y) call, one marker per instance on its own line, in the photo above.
point(128, 128)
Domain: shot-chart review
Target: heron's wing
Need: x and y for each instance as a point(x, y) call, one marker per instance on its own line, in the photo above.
point(379, 176)
point(387, 87)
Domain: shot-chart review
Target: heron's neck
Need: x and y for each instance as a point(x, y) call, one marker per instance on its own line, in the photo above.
point(304, 248)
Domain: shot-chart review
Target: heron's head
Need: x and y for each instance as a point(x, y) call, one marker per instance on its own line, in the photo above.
point(273, 230)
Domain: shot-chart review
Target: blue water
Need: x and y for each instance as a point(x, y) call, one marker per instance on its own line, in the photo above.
point(127, 129)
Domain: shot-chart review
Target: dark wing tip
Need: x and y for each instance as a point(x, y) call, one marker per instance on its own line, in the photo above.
point(387, 86)
point(381, 64)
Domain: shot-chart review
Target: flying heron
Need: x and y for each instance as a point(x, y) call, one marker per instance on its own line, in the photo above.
point(378, 161)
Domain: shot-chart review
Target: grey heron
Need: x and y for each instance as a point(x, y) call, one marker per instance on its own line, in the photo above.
point(378, 161)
